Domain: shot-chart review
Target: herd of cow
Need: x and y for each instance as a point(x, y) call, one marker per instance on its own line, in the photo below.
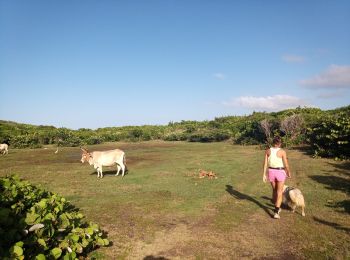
point(97, 158)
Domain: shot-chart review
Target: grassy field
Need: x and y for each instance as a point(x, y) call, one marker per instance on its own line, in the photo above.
point(161, 209)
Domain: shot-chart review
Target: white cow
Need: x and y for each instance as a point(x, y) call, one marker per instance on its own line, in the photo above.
point(105, 158)
point(4, 148)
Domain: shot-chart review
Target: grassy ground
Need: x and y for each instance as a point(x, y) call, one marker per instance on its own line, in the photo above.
point(162, 210)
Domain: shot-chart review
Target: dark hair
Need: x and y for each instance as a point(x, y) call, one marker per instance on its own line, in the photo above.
point(277, 140)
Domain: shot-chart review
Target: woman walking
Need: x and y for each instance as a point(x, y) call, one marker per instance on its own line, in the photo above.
point(278, 170)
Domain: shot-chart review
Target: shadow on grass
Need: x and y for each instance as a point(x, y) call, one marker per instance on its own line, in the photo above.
point(345, 204)
point(339, 180)
point(342, 169)
point(151, 257)
point(110, 173)
point(307, 150)
point(241, 196)
point(335, 183)
point(332, 224)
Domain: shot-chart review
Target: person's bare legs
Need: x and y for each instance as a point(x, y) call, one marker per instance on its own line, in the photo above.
point(274, 194)
point(279, 193)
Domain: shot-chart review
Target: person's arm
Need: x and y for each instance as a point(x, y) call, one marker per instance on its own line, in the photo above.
point(265, 167)
point(286, 165)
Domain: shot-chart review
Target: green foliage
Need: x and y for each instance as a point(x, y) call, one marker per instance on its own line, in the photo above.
point(175, 136)
point(209, 136)
point(24, 141)
point(330, 136)
point(295, 126)
point(37, 224)
point(250, 133)
point(67, 137)
point(94, 139)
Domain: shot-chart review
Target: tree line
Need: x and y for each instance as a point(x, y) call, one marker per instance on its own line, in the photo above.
point(326, 132)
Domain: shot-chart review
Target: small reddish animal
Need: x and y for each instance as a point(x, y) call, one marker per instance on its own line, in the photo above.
point(4, 148)
point(104, 158)
point(210, 174)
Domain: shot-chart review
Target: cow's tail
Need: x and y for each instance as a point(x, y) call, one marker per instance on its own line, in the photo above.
point(124, 161)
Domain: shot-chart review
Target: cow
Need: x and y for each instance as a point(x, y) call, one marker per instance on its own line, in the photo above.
point(4, 148)
point(104, 158)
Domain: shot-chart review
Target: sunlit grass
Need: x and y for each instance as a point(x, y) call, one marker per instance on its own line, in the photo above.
point(162, 189)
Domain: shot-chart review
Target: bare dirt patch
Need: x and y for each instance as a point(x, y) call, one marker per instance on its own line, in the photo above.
point(166, 241)
point(259, 237)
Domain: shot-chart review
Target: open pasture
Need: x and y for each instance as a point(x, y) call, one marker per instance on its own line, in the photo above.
point(161, 209)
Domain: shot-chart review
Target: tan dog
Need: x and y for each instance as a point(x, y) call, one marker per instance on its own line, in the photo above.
point(293, 198)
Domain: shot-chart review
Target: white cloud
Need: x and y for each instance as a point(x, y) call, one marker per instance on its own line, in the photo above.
point(219, 76)
point(269, 103)
point(335, 76)
point(293, 58)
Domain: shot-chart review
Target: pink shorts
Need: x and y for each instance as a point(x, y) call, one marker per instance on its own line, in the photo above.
point(277, 175)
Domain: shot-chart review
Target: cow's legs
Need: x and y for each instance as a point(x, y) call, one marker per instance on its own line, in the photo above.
point(120, 165)
point(123, 169)
point(99, 172)
point(101, 175)
point(118, 169)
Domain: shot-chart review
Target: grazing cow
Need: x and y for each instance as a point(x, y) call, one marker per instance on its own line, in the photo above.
point(105, 158)
point(4, 148)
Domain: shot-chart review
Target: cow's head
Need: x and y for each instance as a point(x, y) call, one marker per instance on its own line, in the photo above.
point(85, 157)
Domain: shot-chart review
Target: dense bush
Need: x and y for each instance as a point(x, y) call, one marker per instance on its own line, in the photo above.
point(330, 137)
point(94, 139)
point(175, 136)
point(208, 136)
point(250, 133)
point(295, 126)
point(37, 224)
point(67, 137)
point(24, 141)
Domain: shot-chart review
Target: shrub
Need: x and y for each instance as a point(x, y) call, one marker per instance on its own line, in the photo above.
point(175, 136)
point(37, 224)
point(25, 141)
point(209, 136)
point(330, 137)
point(93, 140)
point(293, 128)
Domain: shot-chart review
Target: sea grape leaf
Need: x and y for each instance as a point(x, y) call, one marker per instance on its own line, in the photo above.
point(56, 252)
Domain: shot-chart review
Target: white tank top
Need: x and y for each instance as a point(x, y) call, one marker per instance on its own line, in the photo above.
point(274, 161)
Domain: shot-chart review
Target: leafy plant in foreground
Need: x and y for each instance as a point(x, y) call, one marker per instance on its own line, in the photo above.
point(37, 224)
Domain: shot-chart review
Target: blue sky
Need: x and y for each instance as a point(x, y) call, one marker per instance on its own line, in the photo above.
point(114, 63)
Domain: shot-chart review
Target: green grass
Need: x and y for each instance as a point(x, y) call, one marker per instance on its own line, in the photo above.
point(161, 199)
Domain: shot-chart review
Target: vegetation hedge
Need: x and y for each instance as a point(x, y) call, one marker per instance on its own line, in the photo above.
point(327, 132)
point(38, 224)
point(330, 137)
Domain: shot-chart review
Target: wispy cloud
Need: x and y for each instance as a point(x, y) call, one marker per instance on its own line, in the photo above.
point(219, 75)
point(331, 95)
point(321, 51)
point(336, 76)
point(269, 103)
point(291, 58)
